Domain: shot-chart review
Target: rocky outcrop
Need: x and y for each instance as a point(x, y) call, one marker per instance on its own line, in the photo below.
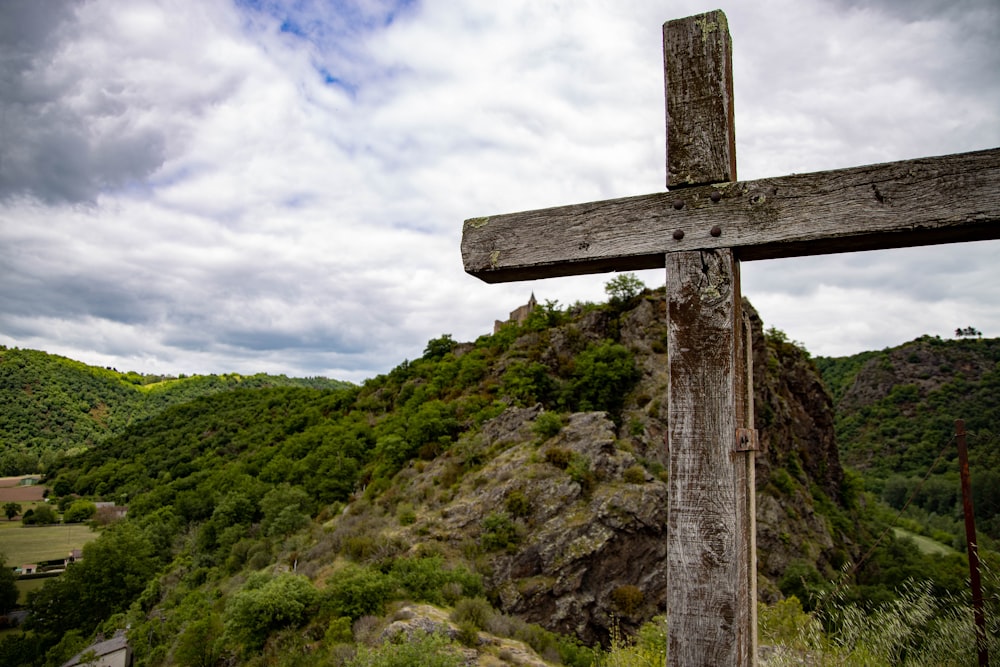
point(569, 531)
point(593, 524)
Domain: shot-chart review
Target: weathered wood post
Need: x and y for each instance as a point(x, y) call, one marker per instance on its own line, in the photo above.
point(699, 231)
point(711, 557)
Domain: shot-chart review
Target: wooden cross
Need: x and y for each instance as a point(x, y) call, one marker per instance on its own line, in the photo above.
point(699, 231)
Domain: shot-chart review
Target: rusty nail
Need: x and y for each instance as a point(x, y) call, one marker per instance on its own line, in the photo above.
point(679, 234)
point(716, 231)
point(679, 204)
point(716, 196)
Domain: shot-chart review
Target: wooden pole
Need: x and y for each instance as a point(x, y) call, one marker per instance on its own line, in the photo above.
point(711, 566)
point(970, 544)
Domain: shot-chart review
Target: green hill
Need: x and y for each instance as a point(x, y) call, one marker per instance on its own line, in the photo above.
point(896, 412)
point(53, 405)
point(507, 493)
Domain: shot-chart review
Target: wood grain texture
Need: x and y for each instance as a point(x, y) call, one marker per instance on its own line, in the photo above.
point(708, 559)
point(926, 201)
point(698, 77)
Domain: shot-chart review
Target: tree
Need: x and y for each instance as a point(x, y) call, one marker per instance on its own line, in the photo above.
point(265, 604)
point(42, 515)
point(8, 587)
point(968, 332)
point(603, 376)
point(623, 287)
point(438, 347)
point(286, 509)
point(12, 509)
point(79, 511)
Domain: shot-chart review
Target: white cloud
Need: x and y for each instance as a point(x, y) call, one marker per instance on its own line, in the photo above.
point(280, 187)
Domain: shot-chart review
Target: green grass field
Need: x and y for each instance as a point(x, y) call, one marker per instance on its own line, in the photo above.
point(925, 544)
point(26, 586)
point(21, 545)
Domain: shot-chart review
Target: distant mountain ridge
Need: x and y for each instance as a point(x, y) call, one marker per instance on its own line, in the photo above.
point(896, 410)
point(52, 404)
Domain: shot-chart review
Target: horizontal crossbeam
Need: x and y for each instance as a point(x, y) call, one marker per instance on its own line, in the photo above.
point(925, 201)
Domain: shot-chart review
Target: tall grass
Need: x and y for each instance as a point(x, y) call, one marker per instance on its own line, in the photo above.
point(917, 629)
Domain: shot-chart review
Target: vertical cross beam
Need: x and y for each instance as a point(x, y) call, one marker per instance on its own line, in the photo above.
point(711, 560)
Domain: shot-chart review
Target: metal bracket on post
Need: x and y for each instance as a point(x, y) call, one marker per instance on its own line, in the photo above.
point(746, 440)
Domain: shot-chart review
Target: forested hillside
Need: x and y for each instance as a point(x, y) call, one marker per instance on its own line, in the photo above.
point(896, 412)
point(508, 494)
point(53, 405)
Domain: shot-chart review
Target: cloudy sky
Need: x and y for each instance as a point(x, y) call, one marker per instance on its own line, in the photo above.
point(280, 185)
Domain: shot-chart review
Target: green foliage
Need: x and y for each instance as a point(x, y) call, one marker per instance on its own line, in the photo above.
point(916, 627)
point(547, 425)
point(8, 587)
point(266, 603)
point(634, 475)
point(427, 650)
point(198, 645)
point(437, 348)
point(627, 599)
point(357, 591)
point(785, 623)
point(527, 383)
point(23, 648)
point(647, 649)
point(427, 580)
point(783, 481)
point(517, 504)
point(41, 515)
point(602, 377)
point(72, 643)
point(54, 405)
point(623, 288)
point(560, 457)
point(476, 612)
point(286, 509)
point(892, 431)
point(12, 509)
point(499, 531)
point(579, 471)
point(80, 510)
point(339, 631)
point(803, 581)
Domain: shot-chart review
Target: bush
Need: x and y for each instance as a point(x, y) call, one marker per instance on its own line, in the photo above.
point(265, 604)
point(547, 425)
point(635, 475)
point(627, 599)
point(427, 650)
point(474, 611)
point(79, 511)
point(579, 471)
point(286, 508)
point(499, 532)
point(527, 383)
point(560, 457)
point(802, 580)
point(517, 504)
point(405, 514)
point(426, 579)
point(358, 591)
point(602, 377)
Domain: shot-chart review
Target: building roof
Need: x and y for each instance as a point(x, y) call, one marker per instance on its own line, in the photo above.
point(117, 643)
